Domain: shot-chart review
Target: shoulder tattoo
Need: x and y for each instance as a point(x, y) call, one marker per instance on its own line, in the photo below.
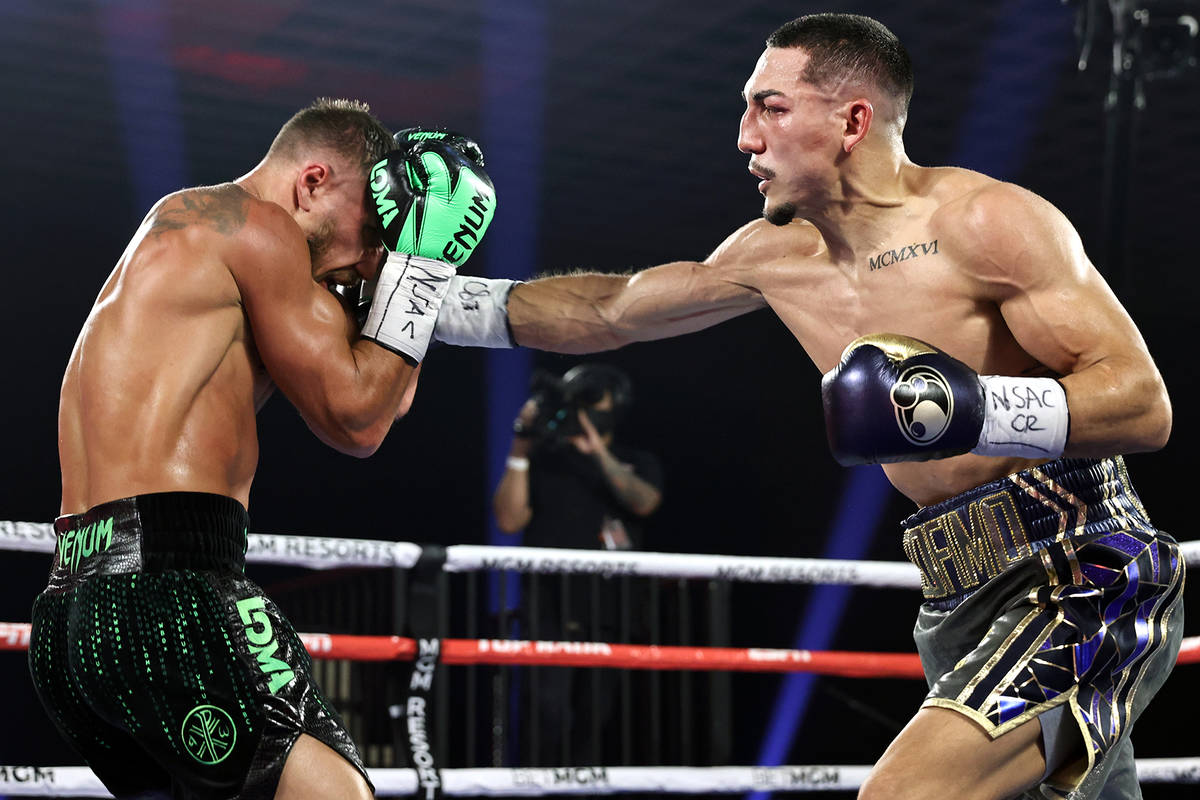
point(222, 208)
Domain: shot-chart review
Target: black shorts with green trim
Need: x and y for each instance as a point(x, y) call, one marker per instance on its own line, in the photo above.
point(1049, 590)
point(162, 664)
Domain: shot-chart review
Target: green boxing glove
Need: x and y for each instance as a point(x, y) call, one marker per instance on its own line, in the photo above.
point(432, 200)
point(434, 205)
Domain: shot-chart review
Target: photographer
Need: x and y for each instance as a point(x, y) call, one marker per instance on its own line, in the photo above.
point(568, 483)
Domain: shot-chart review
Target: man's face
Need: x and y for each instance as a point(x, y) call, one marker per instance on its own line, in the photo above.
point(791, 132)
point(343, 235)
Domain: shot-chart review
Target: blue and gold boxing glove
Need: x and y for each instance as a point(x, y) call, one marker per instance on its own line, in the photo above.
point(433, 205)
point(896, 398)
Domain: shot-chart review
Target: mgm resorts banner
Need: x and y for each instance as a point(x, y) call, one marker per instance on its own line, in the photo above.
point(412, 720)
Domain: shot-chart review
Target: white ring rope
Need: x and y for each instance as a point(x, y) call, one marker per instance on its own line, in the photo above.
point(316, 552)
point(28, 781)
point(472, 558)
point(326, 552)
point(323, 552)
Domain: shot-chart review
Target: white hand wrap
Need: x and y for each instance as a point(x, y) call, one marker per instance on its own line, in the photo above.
point(1025, 417)
point(475, 313)
point(405, 306)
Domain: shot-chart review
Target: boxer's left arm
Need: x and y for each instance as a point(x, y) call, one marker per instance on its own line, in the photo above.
point(590, 312)
point(587, 312)
point(1029, 260)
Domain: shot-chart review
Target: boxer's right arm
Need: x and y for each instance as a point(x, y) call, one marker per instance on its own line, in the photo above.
point(348, 392)
point(1026, 257)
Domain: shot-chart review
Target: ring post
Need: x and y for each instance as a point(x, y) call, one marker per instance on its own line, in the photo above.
point(419, 709)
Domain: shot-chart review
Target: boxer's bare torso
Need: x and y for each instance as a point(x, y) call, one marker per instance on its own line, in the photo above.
point(162, 387)
point(985, 271)
point(917, 281)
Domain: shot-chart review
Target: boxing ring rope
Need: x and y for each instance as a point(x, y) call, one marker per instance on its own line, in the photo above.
point(327, 552)
point(508, 652)
point(330, 552)
point(521, 652)
point(25, 781)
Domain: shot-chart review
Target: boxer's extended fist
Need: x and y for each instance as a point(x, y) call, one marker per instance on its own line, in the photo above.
point(432, 201)
point(894, 398)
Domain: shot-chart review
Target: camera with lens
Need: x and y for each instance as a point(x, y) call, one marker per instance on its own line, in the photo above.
point(581, 388)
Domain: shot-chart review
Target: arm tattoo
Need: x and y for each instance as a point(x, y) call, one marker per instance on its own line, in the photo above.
point(633, 492)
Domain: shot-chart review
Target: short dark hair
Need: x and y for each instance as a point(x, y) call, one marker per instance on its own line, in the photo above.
point(839, 45)
point(345, 126)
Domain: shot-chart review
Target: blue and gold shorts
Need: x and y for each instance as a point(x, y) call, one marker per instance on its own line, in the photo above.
point(165, 666)
point(1050, 591)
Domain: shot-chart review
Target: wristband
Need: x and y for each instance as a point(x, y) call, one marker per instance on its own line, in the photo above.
point(1025, 417)
point(475, 313)
point(517, 464)
point(405, 305)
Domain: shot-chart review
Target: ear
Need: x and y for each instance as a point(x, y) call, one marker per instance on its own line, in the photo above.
point(857, 116)
point(311, 179)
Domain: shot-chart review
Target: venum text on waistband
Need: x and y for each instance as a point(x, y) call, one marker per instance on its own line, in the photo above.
point(79, 543)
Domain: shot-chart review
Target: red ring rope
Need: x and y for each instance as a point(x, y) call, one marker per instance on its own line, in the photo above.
point(15, 636)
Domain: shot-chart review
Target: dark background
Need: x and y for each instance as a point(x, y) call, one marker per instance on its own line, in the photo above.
point(632, 136)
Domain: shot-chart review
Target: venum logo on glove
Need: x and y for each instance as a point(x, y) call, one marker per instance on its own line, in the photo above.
point(379, 184)
point(924, 404)
point(474, 220)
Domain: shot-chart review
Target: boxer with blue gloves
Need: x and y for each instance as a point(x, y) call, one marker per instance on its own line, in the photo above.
point(971, 348)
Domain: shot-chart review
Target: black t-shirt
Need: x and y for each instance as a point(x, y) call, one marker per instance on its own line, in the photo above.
point(570, 497)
